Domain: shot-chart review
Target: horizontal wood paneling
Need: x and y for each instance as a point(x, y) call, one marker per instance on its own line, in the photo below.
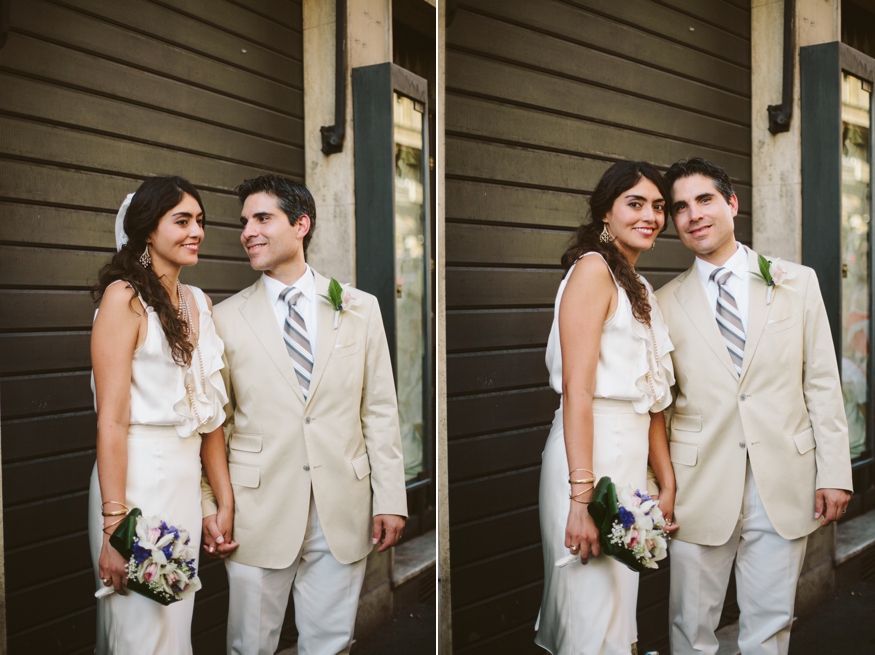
point(98, 95)
point(607, 33)
point(495, 38)
point(44, 184)
point(541, 98)
point(495, 370)
point(475, 117)
point(44, 436)
point(486, 578)
point(489, 329)
point(496, 616)
point(114, 43)
point(480, 540)
point(481, 76)
point(471, 415)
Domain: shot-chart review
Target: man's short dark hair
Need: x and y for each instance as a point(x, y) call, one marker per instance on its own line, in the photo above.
point(699, 166)
point(292, 197)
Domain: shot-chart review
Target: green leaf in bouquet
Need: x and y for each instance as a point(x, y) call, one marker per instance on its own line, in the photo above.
point(604, 510)
point(122, 539)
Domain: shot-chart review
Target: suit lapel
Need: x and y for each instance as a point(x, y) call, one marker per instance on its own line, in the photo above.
point(691, 296)
point(758, 312)
point(326, 335)
point(258, 312)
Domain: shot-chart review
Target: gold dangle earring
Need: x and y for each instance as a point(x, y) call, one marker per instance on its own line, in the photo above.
point(605, 236)
point(653, 245)
point(146, 258)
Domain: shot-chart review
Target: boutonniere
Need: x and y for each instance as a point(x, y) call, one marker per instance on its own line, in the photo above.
point(773, 274)
point(342, 299)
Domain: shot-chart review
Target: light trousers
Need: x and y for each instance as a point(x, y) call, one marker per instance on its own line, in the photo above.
point(767, 568)
point(326, 595)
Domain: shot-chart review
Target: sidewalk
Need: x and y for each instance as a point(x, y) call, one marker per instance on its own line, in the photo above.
point(842, 625)
point(412, 632)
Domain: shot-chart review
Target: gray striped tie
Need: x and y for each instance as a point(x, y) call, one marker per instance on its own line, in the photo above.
point(729, 319)
point(297, 341)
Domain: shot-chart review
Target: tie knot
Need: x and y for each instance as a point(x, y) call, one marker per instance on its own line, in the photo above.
point(720, 275)
point(291, 295)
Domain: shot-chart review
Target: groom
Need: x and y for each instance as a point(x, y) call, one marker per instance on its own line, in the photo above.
point(314, 451)
point(759, 440)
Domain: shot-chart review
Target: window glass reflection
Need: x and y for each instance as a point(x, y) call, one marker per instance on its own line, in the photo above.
point(409, 279)
point(856, 283)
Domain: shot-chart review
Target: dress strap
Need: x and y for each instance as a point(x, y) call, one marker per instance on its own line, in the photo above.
point(200, 298)
point(593, 252)
point(139, 297)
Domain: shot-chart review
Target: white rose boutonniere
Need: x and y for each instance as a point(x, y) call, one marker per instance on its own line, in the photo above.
point(342, 298)
point(774, 275)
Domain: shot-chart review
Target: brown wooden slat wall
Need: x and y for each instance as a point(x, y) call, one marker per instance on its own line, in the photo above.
point(541, 97)
point(96, 95)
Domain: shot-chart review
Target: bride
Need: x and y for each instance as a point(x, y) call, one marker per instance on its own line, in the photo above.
point(608, 357)
point(159, 399)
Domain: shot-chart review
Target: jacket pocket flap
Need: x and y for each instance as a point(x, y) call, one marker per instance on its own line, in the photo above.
point(686, 422)
point(346, 349)
point(683, 453)
point(804, 441)
point(362, 466)
point(244, 476)
point(247, 442)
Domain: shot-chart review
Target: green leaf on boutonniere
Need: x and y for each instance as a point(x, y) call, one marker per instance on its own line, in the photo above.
point(335, 295)
point(765, 264)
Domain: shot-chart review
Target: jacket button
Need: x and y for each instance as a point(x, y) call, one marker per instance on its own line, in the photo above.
point(741, 444)
point(743, 397)
point(307, 420)
point(306, 467)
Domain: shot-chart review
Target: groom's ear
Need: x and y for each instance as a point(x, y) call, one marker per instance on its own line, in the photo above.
point(303, 225)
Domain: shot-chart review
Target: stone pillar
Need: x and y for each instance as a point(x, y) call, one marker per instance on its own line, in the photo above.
point(331, 179)
point(777, 195)
point(776, 160)
point(445, 642)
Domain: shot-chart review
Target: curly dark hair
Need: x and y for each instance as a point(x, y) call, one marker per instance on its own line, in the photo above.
point(292, 197)
point(620, 177)
point(155, 197)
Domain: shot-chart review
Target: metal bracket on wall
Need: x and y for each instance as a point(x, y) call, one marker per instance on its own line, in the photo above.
point(4, 21)
point(333, 135)
point(780, 115)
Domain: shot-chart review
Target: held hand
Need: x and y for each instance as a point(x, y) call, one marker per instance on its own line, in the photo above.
point(581, 533)
point(111, 567)
point(387, 530)
point(666, 506)
point(830, 504)
point(217, 529)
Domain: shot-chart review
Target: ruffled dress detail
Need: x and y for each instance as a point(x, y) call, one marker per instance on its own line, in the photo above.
point(209, 401)
point(653, 364)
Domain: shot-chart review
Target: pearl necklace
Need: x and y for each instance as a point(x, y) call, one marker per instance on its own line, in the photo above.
point(185, 314)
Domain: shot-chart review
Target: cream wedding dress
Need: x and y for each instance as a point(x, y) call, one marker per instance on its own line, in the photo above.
point(590, 609)
point(163, 478)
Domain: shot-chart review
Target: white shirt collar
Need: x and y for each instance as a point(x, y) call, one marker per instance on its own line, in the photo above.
point(306, 283)
point(737, 264)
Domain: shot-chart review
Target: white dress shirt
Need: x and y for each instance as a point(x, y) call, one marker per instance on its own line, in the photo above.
point(737, 284)
point(306, 303)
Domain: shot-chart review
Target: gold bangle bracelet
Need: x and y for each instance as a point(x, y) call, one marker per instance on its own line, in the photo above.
point(113, 502)
point(581, 493)
point(118, 513)
point(573, 470)
point(582, 502)
point(107, 527)
point(584, 481)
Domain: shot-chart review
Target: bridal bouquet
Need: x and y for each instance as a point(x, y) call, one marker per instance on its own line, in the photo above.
point(161, 558)
point(631, 526)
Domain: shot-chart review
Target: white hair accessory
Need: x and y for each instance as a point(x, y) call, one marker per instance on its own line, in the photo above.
point(121, 237)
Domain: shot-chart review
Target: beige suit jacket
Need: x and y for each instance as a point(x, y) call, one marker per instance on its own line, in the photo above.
point(785, 413)
point(343, 442)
